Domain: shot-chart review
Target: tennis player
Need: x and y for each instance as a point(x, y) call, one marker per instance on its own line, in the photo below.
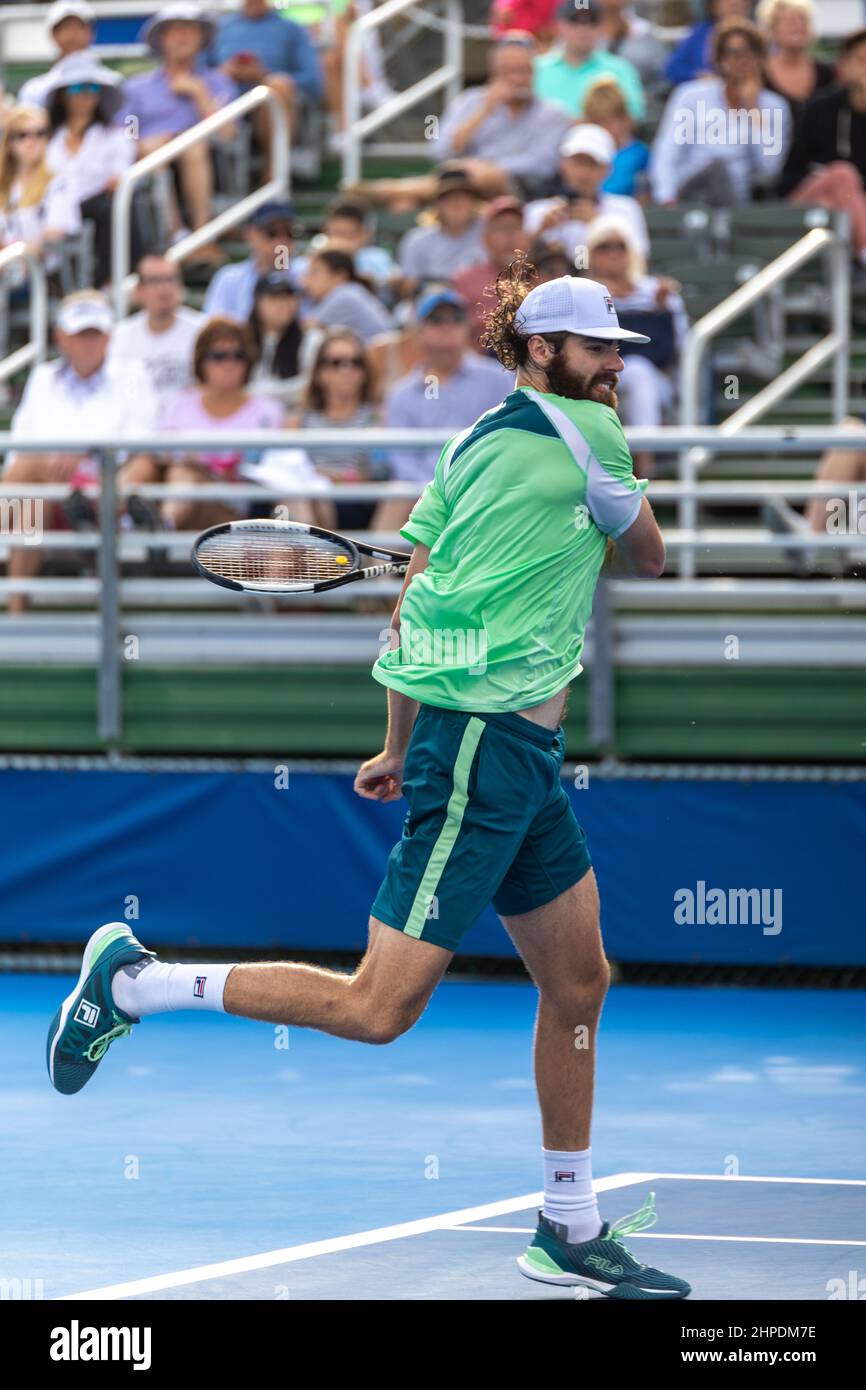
point(509, 539)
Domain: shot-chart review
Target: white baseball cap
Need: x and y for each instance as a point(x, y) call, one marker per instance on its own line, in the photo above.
point(571, 304)
point(177, 11)
point(593, 140)
point(65, 9)
point(94, 311)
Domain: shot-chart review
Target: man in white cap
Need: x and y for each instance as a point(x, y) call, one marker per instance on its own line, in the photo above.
point(71, 399)
point(509, 538)
point(70, 26)
point(585, 159)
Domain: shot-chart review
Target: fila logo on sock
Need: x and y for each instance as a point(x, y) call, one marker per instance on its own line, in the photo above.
point(87, 1013)
point(562, 1176)
point(198, 988)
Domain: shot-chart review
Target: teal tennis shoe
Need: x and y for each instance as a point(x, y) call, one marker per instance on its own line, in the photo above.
point(88, 1021)
point(603, 1266)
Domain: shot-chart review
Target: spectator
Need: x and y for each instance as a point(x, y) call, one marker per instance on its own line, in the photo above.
point(82, 99)
point(565, 73)
point(283, 348)
point(465, 383)
point(605, 106)
point(503, 235)
point(257, 45)
point(587, 156)
point(340, 395)
point(693, 57)
point(69, 25)
point(647, 304)
point(535, 17)
point(222, 364)
point(349, 222)
point(175, 96)
point(827, 163)
point(436, 251)
point(72, 399)
point(627, 36)
point(790, 70)
point(722, 138)
point(36, 206)
point(161, 337)
point(270, 235)
point(551, 261)
point(338, 295)
point(503, 130)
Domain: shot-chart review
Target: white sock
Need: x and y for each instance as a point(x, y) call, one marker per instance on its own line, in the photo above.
point(154, 987)
point(568, 1195)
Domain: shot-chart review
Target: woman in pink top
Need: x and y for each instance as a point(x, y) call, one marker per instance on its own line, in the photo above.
point(223, 359)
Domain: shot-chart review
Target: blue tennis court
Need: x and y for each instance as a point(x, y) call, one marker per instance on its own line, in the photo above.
point(220, 1159)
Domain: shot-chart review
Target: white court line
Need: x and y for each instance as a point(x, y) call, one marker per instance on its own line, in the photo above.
point(445, 1222)
point(292, 1253)
point(663, 1235)
point(739, 1177)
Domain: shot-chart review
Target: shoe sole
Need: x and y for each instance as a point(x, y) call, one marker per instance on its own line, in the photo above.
point(597, 1286)
point(90, 950)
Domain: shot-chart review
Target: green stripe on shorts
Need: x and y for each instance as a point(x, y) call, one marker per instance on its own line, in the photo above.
point(450, 830)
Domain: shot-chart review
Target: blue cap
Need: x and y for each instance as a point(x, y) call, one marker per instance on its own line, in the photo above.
point(425, 306)
point(280, 210)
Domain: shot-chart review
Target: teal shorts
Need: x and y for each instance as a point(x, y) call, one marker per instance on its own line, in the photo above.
point(488, 821)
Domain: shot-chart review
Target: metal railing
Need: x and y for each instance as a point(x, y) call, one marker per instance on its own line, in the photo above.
point(805, 440)
point(448, 76)
point(121, 212)
point(834, 347)
point(34, 350)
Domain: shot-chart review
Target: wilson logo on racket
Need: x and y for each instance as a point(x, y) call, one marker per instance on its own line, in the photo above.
point(287, 557)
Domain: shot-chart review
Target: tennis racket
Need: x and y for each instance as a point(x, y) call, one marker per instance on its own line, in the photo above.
point(287, 557)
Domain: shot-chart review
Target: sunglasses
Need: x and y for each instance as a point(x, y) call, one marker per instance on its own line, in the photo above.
point(90, 89)
point(611, 246)
point(17, 135)
point(445, 317)
point(342, 362)
point(226, 355)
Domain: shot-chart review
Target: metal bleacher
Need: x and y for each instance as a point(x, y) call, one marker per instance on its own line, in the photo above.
point(243, 675)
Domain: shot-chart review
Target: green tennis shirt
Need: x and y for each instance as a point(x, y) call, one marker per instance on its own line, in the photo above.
point(516, 517)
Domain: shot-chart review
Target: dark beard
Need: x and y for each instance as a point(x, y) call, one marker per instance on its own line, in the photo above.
point(564, 382)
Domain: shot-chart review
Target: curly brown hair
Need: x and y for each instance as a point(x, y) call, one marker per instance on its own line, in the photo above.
point(512, 286)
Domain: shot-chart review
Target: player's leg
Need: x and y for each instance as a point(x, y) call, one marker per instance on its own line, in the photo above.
point(383, 998)
point(559, 939)
point(121, 982)
point(561, 947)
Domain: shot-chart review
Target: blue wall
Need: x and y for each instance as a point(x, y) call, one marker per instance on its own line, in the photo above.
point(226, 858)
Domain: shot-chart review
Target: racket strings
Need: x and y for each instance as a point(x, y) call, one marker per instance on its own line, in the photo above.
point(253, 558)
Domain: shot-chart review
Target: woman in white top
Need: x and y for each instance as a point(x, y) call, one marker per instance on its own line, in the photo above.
point(81, 102)
point(36, 205)
point(646, 387)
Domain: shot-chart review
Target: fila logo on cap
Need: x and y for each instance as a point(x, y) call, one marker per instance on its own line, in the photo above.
point(87, 1013)
point(611, 307)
